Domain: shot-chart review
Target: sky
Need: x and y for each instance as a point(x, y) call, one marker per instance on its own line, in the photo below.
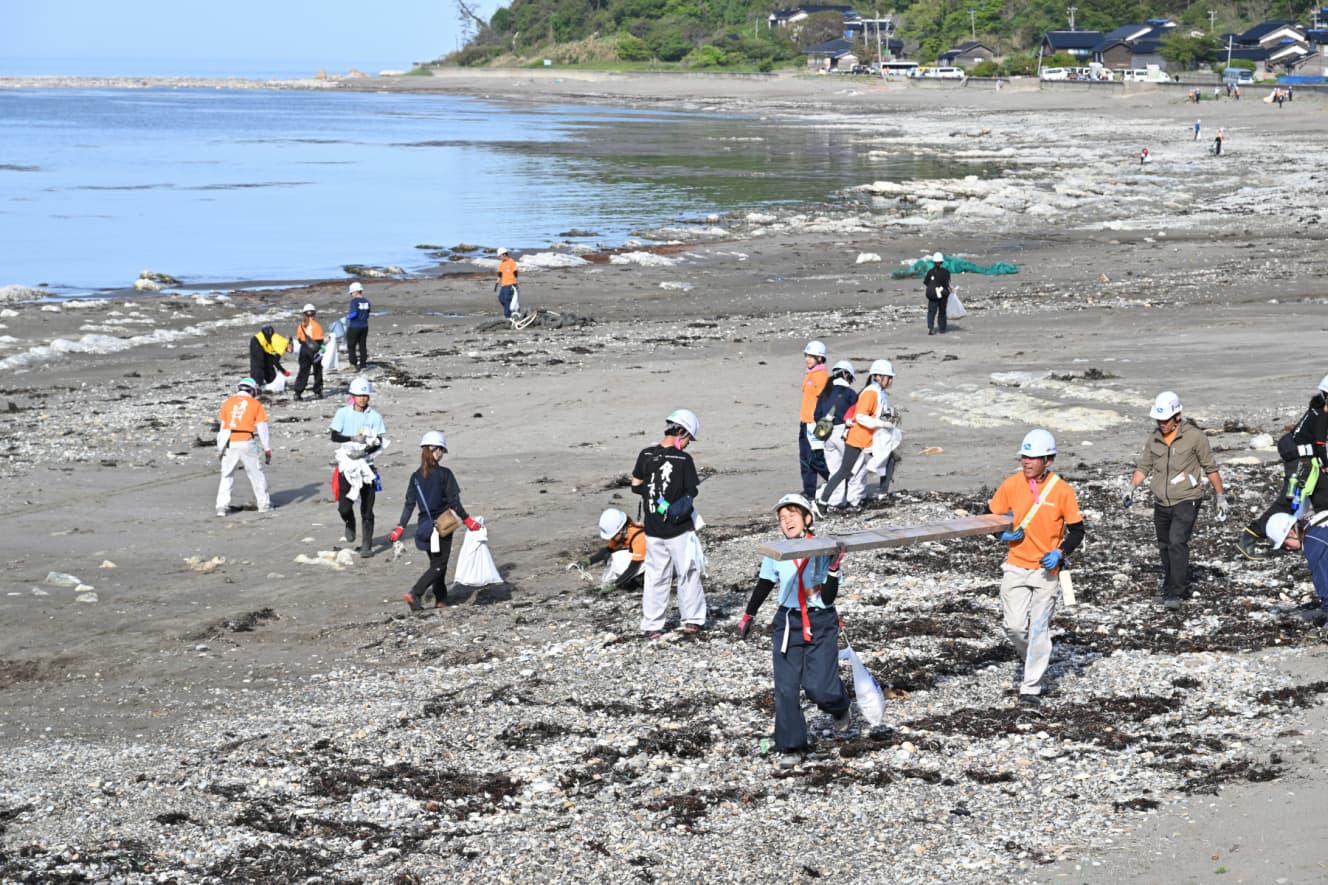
point(143, 35)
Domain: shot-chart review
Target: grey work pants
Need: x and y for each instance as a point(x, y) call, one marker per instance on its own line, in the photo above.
point(665, 559)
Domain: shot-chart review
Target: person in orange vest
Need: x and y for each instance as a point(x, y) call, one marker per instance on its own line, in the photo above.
point(621, 536)
point(811, 451)
point(243, 423)
point(310, 336)
point(506, 283)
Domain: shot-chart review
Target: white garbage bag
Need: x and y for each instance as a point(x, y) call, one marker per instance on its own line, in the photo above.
point(475, 566)
point(954, 308)
point(619, 562)
point(871, 700)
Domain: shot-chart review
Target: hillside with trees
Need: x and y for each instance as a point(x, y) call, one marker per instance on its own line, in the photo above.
point(734, 33)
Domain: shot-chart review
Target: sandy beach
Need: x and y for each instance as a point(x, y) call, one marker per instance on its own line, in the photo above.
point(221, 700)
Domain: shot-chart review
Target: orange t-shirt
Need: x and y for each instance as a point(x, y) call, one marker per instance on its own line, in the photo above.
point(860, 437)
point(812, 385)
point(507, 271)
point(309, 331)
point(1046, 530)
point(636, 542)
point(240, 414)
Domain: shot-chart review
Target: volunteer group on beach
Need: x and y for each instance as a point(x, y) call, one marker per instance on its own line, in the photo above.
point(845, 437)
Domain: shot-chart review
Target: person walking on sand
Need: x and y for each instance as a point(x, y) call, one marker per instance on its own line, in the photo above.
point(871, 415)
point(1177, 456)
point(433, 488)
point(937, 283)
point(359, 425)
point(804, 635)
point(243, 422)
point(665, 477)
point(357, 327)
point(506, 284)
point(811, 451)
point(265, 351)
point(310, 337)
point(1197, 125)
point(1217, 142)
point(1047, 528)
point(840, 399)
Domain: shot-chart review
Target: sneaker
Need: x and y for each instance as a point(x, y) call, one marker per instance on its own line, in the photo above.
point(413, 603)
point(931, 331)
point(223, 511)
point(652, 634)
point(789, 761)
point(1172, 604)
point(1316, 616)
point(692, 629)
point(843, 720)
point(298, 396)
point(1030, 702)
point(438, 605)
point(265, 509)
point(1246, 544)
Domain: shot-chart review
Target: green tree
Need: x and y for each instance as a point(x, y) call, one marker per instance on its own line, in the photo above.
point(1187, 50)
point(632, 48)
point(820, 27)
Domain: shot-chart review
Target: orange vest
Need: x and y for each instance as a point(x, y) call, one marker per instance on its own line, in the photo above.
point(507, 271)
point(240, 414)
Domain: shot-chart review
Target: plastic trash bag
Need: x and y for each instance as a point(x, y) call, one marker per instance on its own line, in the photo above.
point(871, 700)
point(954, 308)
point(475, 566)
point(619, 562)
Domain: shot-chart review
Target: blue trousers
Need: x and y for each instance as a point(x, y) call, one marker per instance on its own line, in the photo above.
point(505, 299)
point(805, 666)
point(811, 462)
point(1316, 554)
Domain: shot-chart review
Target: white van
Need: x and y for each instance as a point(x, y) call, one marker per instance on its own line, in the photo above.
point(1150, 74)
point(1055, 74)
point(947, 73)
point(1238, 76)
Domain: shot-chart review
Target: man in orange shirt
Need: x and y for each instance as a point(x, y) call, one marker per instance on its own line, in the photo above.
point(506, 284)
point(310, 337)
point(811, 451)
point(1047, 528)
point(243, 422)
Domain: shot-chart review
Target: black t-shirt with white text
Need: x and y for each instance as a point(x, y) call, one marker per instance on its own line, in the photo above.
point(666, 474)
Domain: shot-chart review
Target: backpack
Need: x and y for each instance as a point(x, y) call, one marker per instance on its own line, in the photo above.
point(1286, 447)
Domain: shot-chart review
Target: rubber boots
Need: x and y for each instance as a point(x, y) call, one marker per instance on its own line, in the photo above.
point(366, 544)
point(350, 530)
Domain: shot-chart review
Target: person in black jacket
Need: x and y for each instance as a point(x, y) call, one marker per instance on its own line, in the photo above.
point(265, 350)
point(937, 282)
point(434, 488)
point(839, 397)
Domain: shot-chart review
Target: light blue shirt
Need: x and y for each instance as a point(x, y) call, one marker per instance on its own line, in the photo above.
point(785, 575)
point(349, 422)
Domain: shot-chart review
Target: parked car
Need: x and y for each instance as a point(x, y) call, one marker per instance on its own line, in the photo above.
point(1238, 76)
point(1055, 74)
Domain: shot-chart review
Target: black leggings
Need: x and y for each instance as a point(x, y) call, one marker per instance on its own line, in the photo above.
point(346, 507)
point(845, 471)
point(435, 576)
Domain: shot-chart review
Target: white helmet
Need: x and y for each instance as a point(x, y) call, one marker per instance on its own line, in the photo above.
point(1323, 385)
point(434, 438)
point(815, 348)
point(309, 308)
point(611, 522)
point(843, 366)
point(686, 419)
point(881, 367)
point(1038, 444)
point(355, 287)
point(796, 500)
point(361, 387)
point(937, 257)
point(1166, 405)
point(247, 385)
point(1278, 527)
point(502, 250)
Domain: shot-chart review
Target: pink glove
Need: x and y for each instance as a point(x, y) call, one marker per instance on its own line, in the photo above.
point(396, 534)
point(472, 524)
point(839, 557)
point(744, 625)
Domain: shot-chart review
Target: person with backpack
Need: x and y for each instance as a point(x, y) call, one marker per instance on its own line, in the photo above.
point(1310, 536)
point(1298, 439)
point(937, 285)
point(811, 451)
point(871, 414)
point(840, 398)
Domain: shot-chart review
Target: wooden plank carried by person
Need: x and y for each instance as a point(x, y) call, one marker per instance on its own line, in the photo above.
point(896, 536)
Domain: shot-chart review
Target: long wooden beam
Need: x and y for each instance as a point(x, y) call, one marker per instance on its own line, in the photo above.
point(900, 536)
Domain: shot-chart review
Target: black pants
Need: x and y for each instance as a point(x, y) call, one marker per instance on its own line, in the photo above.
point(434, 578)
point(1174, 526)
point(308, 361)
point(936, 314)
point(845, 471)
point(357, 339)
point(811, 462)
point(1281, 504)
point(346, 507)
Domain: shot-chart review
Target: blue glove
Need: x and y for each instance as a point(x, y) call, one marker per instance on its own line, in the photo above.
point(1052, 559)
point(1012, 535)
point(1302, 508)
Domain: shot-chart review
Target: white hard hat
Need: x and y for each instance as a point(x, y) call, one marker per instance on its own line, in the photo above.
point(247, 384)
point(1278, 527)
point(1038, 444)
point(1323, 385)
point(356, 287)
point(815, 348)
point(502, 250)
point(1166, 405)
point(361, 387)
point(434, 438)
point(611, 522)
point(937, 257)
point(686, 419)
point(881, 367)
point(843, 366)
point(309, 308)
point(796, 500)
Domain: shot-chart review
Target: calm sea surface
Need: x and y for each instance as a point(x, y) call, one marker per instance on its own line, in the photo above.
point(249, 185)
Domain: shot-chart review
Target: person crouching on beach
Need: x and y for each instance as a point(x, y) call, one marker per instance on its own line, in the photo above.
point(804, 633)
point(665, 477)
point(624, 550)
point(265, 351)
point(434, 489)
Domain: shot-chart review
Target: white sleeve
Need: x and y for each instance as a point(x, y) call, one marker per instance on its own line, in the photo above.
point(261, 429)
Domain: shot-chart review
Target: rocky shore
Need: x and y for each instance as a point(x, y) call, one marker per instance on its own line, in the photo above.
point(219, 700)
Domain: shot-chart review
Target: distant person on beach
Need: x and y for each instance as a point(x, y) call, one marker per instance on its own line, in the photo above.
point(243, 423)
point(872, 415)
point(804, 633)
point(506, 284)
point(309, 335)
point(357, 327)
point(665, 478)
point(840, 399)
point(265, 351)
point(937, 284)
point(811, 451)
point(1197, 125)
point(356, 422)
point(1144, 157)
point(1047, 528)
point(433, 488)
point(1217, 142)
point(1177, 457)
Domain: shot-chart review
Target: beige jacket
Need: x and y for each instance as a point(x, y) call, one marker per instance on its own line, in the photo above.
point(1177, 470)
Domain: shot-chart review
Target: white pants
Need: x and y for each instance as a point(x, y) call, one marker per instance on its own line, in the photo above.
point(243, 454)
point(1028, 600)
point(853, 491)
point(665, 558)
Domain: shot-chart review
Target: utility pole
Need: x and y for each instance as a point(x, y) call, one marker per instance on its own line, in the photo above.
point(973, 23)
point(1070, 11)
point(1229, 50)
point(880, 59)
point(1212, 20)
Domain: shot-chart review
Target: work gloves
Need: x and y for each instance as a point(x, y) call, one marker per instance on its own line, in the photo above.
point(267, 457)
point(744, 625)
point(473, 524)
point(1223, 508)
point(1012, 535)
point(1053, 559)
point(395, 534)
point(1129, 496)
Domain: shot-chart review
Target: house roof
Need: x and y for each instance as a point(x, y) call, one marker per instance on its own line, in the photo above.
point(969, 46)
point(833, 48)
point(1126, 33)
point(1317, 36)
point(1072, 39)
point(1263, 29)
point(1249, 53)
point(785, 14)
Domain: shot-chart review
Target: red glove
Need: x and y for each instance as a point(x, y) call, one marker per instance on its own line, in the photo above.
point(396, 534)
point(744, 625)
point(286, 372)
point(472, 524)
point(267, 457)
point(839, 557)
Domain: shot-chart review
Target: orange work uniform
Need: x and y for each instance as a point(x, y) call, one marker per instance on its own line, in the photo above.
point(812, 384)
point(241, 414)
point(635, 542)
point(860, 437)
point(1046, 530)
point(309, 332)
point(507, 271)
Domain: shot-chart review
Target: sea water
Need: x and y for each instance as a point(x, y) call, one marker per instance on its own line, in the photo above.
point(250, 186)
